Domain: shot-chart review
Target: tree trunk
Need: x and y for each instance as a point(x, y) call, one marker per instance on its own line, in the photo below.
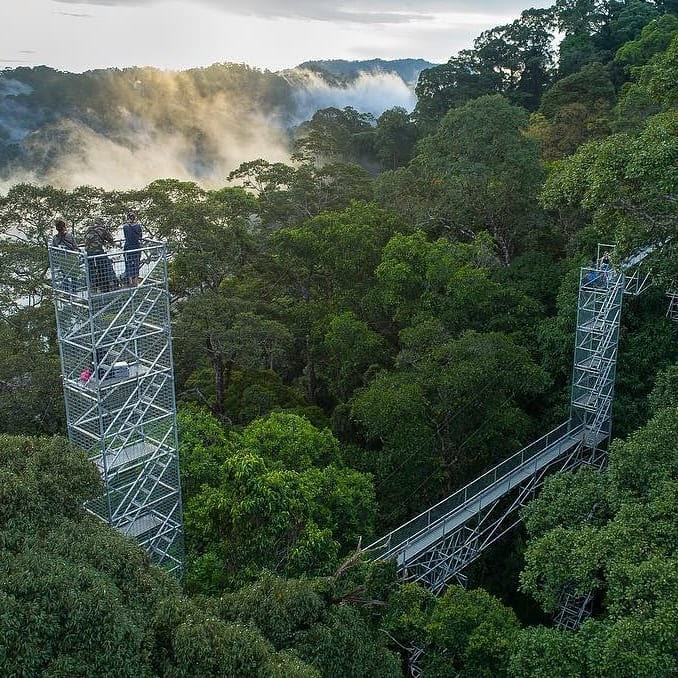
point(219, 383)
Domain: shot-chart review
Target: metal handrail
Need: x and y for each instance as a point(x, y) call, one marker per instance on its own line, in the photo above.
point(418, 525)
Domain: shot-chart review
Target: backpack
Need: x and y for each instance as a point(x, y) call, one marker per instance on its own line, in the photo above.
point(93, 241)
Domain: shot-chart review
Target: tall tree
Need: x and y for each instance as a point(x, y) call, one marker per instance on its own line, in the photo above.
point(462, 633)
point(312, 619)
point(336, 135)
point(483, 174)
point(576, 109)
point(347, 349)
point(283, 502)
point(627, 185)
point(223, 329)
point(27, 213)
point(451, 85)
point(325, 266)
point(288, 195)
point(394, 138)
point(426, 436)
point(521, 54)
point(31, 396)
point(595, 29)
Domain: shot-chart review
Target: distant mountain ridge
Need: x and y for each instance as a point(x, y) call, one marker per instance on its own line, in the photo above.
point(198, 124)
point(407, 69)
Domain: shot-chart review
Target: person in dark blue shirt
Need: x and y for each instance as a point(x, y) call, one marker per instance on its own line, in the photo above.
point(132, 231)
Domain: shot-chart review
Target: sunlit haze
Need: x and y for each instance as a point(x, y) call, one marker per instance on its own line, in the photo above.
point(174, 35)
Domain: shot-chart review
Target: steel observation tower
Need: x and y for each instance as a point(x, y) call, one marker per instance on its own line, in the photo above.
point(118, 379)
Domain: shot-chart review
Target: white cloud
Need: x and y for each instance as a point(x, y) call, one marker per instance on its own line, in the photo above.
point(177, 34)
point(369, 93)
point(370, 11)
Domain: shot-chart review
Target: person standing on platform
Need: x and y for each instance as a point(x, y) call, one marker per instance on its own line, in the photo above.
point(132, 231)
point(102, 274)
point(62, 238)
point(606, 268)
point(68, 266)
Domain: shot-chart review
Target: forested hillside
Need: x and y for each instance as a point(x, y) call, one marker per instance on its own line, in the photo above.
point(125, 127)
point(360, 329)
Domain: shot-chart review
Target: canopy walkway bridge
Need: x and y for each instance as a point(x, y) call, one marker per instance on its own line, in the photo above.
point(434, 547)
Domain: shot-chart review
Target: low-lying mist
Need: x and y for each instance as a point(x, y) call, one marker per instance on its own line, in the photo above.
point(369, 93)
point(124, 129)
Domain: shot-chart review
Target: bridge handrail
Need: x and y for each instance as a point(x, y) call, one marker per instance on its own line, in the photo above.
point(637, 257)
point(393, 541)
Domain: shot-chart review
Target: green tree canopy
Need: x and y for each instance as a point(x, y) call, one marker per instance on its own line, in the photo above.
point(626, 183)
point(451, 85)
point(288, 195)
point(335, 135)
point(394, 138)
point(449, 410)
point(481, 173)
point(463, 633)
point(614, 534)
point(283, 501)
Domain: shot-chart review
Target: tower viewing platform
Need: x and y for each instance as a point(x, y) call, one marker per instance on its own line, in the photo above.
point(116, 364)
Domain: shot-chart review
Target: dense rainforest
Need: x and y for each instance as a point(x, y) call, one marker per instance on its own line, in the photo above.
point(358, 332)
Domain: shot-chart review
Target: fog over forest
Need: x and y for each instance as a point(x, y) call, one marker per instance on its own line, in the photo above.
point(398, 360)
point(123, 129)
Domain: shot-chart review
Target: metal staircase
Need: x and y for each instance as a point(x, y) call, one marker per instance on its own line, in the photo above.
point(595, 352)
point(672, 312)
point(124, 414)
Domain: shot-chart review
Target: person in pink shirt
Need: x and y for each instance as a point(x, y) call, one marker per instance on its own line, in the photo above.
point(86, 375)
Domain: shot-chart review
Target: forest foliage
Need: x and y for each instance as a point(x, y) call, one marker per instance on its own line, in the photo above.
point(358, 333)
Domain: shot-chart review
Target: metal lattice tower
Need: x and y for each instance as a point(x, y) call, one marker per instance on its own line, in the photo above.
point(595, 353)
point(573, 610)
point(601, 293)
point(116, 362)
point(672, 312)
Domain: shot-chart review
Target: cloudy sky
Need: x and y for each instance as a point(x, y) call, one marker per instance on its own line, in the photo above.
point(79, 35)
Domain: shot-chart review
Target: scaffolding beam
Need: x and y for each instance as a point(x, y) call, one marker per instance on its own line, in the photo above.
point(672, 311)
